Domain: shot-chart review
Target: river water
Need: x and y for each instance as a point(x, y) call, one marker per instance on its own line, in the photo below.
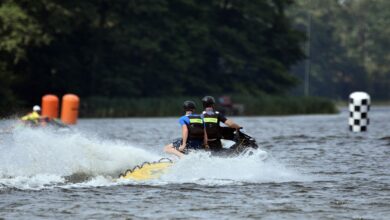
point(308, 167)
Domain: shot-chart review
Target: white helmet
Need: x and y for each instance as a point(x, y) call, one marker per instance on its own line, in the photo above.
point(36, 108)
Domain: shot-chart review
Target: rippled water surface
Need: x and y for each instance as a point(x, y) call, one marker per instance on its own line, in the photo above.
point(308, 167)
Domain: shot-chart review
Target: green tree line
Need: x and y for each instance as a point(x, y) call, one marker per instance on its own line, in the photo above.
point(347, 46)
point(145, 48)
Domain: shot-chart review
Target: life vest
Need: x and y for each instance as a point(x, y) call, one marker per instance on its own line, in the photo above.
point(32, 117)
point(195, 127)
point(211, 122)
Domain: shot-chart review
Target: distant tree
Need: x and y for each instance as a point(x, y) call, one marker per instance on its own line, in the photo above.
point(146, 48)
point(349, 46)
point(18, 32)
point(364, 31)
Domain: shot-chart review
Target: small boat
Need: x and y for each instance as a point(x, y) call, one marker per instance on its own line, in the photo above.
point(43, 122)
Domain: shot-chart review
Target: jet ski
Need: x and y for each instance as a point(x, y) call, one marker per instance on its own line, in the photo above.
point(44, 122)
point(153, 170)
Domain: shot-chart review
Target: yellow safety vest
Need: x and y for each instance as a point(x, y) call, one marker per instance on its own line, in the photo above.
point(33, 116)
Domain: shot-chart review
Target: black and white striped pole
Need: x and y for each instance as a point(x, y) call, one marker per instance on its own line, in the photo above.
point(359, 106)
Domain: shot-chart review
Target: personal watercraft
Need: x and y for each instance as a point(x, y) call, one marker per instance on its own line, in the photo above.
point(44, 122)
point(153, 170)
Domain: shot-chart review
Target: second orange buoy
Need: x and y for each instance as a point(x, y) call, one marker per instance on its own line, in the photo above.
point(70, 108)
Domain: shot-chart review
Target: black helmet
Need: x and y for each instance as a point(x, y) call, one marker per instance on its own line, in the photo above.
point(208, 101)
point(189, 105)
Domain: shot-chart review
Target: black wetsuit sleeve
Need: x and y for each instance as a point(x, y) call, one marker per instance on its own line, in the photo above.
point(222, 118)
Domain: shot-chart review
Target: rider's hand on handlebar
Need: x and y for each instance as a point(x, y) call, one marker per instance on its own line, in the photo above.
point(182, 147)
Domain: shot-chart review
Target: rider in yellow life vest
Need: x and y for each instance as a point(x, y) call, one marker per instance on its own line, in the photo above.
point(33, 117)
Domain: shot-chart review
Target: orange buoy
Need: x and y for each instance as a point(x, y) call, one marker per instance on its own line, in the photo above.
point(50, 106)
point(70, 108)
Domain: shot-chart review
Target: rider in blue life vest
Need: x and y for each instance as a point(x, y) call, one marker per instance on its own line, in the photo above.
point(193, 133)
point(211, 120)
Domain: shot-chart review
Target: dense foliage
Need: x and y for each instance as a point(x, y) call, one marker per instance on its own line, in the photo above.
point(144, 48)
point(349, 46)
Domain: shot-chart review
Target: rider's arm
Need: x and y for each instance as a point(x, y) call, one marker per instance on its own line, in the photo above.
point(232, 124)
point(184, 136)
point(205, 140)
point(184, 133)
point(24, 118)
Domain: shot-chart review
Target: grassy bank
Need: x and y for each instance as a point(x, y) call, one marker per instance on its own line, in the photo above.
point(172, 106)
